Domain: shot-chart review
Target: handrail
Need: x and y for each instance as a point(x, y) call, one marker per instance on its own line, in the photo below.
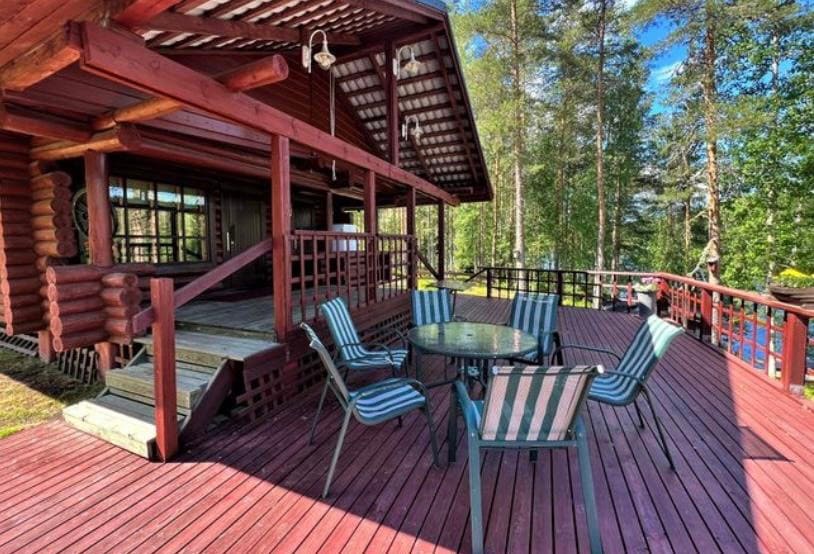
point(146, 317)
point(427, 264)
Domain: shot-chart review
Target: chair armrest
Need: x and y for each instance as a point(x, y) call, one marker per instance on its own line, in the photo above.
point(624, 376)
point(467, 407)
point(587, 348)
point(373, 346)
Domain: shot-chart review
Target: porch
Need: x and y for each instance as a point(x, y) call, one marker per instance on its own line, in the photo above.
point(744, 479)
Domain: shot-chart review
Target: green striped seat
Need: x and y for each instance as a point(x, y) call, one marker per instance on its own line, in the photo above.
point(529, 407)
point(622, 385)
point(382, 401)
point(352, 353)
point(431, 306)
point(536, 314)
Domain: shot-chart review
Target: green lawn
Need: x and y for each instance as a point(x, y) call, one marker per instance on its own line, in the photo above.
point(32, 392)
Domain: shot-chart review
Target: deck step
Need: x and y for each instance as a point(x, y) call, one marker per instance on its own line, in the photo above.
point(126, 423)
point(140, 380)
point(208, 349)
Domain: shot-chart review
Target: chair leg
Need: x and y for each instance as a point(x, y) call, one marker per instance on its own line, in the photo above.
point(452, 427)
point(475, 501)
point(639, 413)
point(433, 441)
point(335, 457)
point(659, 428)
point(319, 411)
point(587, 482)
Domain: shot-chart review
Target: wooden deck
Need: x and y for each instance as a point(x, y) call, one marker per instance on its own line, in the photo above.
point(744, 480)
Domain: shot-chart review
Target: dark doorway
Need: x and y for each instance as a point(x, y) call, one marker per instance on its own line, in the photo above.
point(243, 219)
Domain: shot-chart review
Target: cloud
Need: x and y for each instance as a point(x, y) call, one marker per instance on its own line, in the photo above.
point(665, 72)
point(626, 5)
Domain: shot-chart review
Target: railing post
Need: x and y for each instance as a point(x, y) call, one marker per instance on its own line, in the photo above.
point(166, 411)
point(706, 314)
point(795, 343)
point(560, 287)
point(280, 235)
point(488, 282)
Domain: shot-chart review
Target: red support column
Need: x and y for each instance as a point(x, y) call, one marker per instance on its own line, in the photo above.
point(280, 232)
point(442, 247)
point(371, 228)
point(392, 95)
point(329, 209)
point(100, 232)
point(706, 314)
point(795, 342)
point(412, 279)
point(166, 410)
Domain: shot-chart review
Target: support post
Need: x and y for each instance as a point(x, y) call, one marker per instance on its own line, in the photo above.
point(329, 210)
point(166, 410)
point(442, 247)
point(280, 232)
point(371, 228)
point(392, 95)
point(100, 232)
point(412, 279)
point(706, 314)
point(45, 346)
point(795, 342)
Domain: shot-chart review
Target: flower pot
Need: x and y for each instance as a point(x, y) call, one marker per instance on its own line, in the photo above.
point(803, 296)
point(646, 302)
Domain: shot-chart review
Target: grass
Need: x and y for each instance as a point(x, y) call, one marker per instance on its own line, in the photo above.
point(32, 392)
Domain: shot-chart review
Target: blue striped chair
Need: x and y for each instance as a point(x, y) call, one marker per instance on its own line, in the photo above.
point(536, 314)
point(383, 401)
point(530, 408)
point(623, 385)
point(431, 306)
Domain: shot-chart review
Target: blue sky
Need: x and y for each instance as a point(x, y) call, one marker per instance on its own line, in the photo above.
point(663, 65)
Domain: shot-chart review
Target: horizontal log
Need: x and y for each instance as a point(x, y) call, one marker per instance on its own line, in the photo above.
point(14, 215)
point(51, 180)
point(18, 229)
point(31, 123)
point(78, 323)
point(15, 203)
point(121, 296)
point(121, 312)
point(9, 187)
point(73, 291)
point(119, 327)
point(121, 280)
point(22, 327)
point(18, 271)
point(120, 138)
point(49, 194)
point(53, 234)
point(58, 221)
point(60, 309)
point(50, 207)
point(23, 313)
point(17, 257)
point(17, 176)
point(86, 339)
point(25, 285)
point(73, 274)
point(56, 249)
point(16, 242)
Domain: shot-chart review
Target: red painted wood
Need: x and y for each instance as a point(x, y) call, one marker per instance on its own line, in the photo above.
point(280, 229)
point(166, 422)
point(795, 347)
point(391, 93)
point(140, 12)
point(442, 246)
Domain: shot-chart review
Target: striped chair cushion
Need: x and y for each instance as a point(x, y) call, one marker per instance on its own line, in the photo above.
point(536, 314)
point(431, 306)
point(378, 359)
point(388, 402)
point(533, 403)
point(649, 345)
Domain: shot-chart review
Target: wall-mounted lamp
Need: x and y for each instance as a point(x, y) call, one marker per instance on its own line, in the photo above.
point(412, 66)
point(324, 58)
point(416, 131)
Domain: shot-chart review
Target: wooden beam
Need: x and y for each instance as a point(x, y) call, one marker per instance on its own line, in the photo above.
point(280, 231)
point(229, 28)
point(412, 278)
point(371, 213)
point(118, 59)
point(266, 71)
point(31, 123)
point(52, 55)
point(140, 12)
point(442, 247)
point(391, 94)
point(402, 11)
point(119, 138)
point(166, 410)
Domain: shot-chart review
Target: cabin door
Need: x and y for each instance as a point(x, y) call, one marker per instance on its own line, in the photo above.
point(243, 221)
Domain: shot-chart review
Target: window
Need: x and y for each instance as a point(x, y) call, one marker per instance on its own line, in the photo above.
point(159, 222)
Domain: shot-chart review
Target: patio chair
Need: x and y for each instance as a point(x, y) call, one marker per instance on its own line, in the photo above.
point(530, 408)
point(536, 314)
point(431, 306)
point(622, 386)
point(376, 403)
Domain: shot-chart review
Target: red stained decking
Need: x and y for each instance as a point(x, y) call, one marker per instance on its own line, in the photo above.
point(744, 479)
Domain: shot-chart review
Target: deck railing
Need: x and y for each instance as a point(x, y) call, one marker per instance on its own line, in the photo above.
point(753, 330)
point(359, 267)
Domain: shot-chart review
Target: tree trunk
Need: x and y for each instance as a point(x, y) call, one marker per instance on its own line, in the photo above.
point(496, 212)
point(616, 230)
point(708, 86)
point(600, 150)
point(517, 146)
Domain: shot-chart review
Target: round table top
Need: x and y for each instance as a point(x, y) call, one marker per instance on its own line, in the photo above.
point(450, 284)
point(464, 339)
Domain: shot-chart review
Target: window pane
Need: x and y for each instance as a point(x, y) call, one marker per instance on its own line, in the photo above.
point(166, 252)
point(194, 225)
point(141, 222)
point(165, 229)
point(116, 191)
point(194, 199)
point(193, 250)
point(169, 196)
point(139, 193)
point(119, 226)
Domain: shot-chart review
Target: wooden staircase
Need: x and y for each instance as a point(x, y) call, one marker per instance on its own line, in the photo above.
point(207, 366)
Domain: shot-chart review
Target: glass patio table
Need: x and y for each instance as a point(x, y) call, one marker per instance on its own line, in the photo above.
point(465, 341)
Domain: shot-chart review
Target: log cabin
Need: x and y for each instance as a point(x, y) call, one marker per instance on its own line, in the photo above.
point(183, 181)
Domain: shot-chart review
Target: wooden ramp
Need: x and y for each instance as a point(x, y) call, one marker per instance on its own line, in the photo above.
point(206, 368)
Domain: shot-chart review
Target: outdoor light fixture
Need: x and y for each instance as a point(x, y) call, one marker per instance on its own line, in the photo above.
point(412, 66)
point(416, 131)
point(324, 58)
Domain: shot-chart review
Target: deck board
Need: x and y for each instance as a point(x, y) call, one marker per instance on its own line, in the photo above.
point(743, 452)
